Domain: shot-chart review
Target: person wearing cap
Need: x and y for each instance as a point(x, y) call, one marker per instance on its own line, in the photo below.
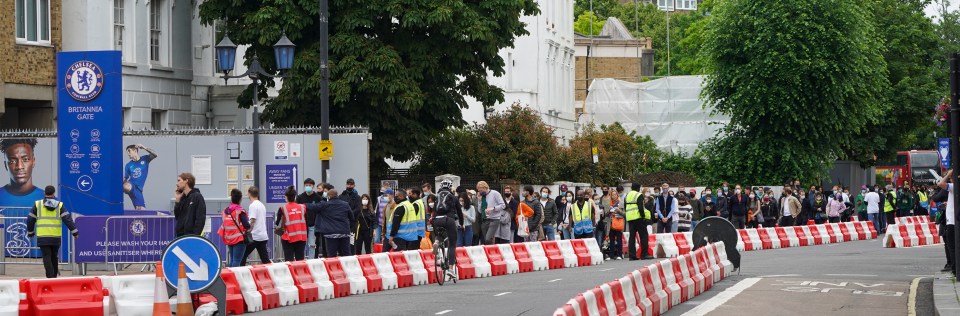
point(46, 221)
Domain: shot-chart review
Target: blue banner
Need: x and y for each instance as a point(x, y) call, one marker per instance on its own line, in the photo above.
point(89, 132)
point(944, 150)
point(279, 177)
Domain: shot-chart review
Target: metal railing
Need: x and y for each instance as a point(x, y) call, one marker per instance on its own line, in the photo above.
point(136, 239)
point(19, 249)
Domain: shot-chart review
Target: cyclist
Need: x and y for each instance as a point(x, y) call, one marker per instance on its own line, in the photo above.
point(447, 215)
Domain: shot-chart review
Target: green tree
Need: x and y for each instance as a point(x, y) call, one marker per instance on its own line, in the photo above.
point(616, 155)
point(584, 22)
point(915, 63)
point(516, 144)
point(796, 93)
point(400, 67)
point(603, 8)
point(454, 151)
point(647, 20)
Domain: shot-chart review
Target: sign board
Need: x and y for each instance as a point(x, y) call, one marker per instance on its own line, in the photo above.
point(943, 145)
point(596, 157)
point(89, 129)
point(281, 150)
point(200, 258)
point(123, 238)
point(326, 149)
point(279, 177)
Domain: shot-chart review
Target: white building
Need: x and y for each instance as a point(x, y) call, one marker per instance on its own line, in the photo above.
point(168, 61)
point(539, 71)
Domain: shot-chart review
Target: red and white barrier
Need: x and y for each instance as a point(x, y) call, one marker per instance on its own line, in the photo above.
point(912, 219)
point(10, 297)
point(911, 235)
point(651, 290)
point(283, 282)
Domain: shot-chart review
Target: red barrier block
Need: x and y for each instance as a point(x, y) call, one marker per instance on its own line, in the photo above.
point(782, 235)
point(651, 243)
point(464, 265)
point(704, 268)
point(583, 254)
point(374, 281)
point(651, 290)
point(745, 238)
point(303, 279)
point(845, 232)
point(271, 296)
point(815, 232)
point(235, 304)
point(523, 257)
point(601, 302)
point(811, 222)
point(861, 233)
point(430, 264)
point(832, 233)
point(765, 240)
point(873, 230)
point(341, 285)
point(907, 241)
point(377, 248)
point(67, 296)
point(801, 235)
point(619, 303)
point(682, 243)
point(402, 269)
point(497, 265)
point(554, 257)
point(582, 301)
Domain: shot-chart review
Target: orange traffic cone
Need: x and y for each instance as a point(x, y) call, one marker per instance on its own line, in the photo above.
point(184, 302)
point(161, 303)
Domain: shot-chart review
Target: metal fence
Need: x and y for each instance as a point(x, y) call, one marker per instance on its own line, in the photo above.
point(136, 239)
point(19, 249)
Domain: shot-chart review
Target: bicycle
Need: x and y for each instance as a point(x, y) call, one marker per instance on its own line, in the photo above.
point(440, 254)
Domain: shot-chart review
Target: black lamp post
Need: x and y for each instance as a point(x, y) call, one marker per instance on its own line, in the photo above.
point(227, 54)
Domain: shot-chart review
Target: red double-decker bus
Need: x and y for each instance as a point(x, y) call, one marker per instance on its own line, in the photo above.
point(911, 168)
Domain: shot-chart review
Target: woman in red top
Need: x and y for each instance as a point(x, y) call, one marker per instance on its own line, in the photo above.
point(235, 224)
point(293, 217)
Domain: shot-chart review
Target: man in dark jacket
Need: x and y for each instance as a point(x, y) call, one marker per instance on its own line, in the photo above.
point(533, 223)
point(310, 196)
point(334, 223)
point(739, 203)
point(512, 204)
point(696, 207)
point(45, 222)
point(351, 196)
point(190, 210)
point(549, 215)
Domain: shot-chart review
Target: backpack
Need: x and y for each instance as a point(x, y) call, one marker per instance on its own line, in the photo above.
point(443, 205)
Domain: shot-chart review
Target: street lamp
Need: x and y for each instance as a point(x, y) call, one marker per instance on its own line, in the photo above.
point(227, 54)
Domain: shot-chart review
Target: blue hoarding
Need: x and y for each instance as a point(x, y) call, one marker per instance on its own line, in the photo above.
point(89, 132)
point(279, 178)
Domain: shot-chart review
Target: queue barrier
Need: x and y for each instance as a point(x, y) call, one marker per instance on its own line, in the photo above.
point(525, 262)
point(497, 265)
point(270, 294)
point(906, 235)
point(307, 289)
point(388, 278)
point(318, 271)
point(66, 296)
point(279, 274)
point(371, 273)
point(401, 268)
point(354, 274)
point(568, 253)
point(478, 258)
point(415, 263)
point(429, 264)
point(506, 252)
point(10, 297)
point(234, 297)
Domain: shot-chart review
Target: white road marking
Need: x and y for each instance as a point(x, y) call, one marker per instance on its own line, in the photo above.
point(778, 275)
point(554, 280)
point(502, 294)
point(722, 297)
point(605, 270)
point(444, 312)
point(853, 275)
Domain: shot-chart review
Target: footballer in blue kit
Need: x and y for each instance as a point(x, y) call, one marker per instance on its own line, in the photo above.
point(19, 161)
point(135, 174)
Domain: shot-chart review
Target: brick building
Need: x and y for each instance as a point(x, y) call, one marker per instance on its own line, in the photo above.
point(29, 41)
point(614, 53)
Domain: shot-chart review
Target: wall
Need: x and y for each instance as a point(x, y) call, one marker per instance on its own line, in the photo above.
point(350, 160)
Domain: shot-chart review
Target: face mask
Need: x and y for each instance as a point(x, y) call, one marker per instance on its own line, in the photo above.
point(507, 194)
point(647, 194)
point(365, 202)
point(752, 196)
point(397, 200)
point(431, 204)
point(324, 195)
point(308, 189)
point(707, 193)
point(656, 193)
point(544, 195)
point(737, 191)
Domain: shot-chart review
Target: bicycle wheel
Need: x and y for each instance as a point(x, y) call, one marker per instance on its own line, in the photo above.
point(440, 255)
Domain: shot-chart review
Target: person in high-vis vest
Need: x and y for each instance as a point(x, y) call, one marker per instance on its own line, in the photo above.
point(235, 225)
point(889, 208)
point(293, 217)
point(582, 216)
point(419, 204)
point(403, 228)
point(923, 202)
point(637, 218)
point(46, 222)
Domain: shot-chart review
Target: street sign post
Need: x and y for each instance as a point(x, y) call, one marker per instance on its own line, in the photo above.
point(199, 255)
point(326, 149)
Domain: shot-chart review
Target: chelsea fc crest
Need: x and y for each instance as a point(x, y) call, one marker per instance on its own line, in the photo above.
point(84, 80)
point(137, 227)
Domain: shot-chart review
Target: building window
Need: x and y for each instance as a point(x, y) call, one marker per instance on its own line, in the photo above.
point(118, 25)
point(33, 21)
point(666, 5)
point(159, 32)
point(156, 120)
point(687, 5)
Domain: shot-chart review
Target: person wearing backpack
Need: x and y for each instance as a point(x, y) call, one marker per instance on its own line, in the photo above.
point(447, 214)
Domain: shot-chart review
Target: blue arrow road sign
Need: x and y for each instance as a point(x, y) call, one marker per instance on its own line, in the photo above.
point(200, 258)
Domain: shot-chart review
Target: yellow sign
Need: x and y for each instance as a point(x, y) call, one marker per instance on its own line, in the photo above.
point(326, 149)
point(594, 150)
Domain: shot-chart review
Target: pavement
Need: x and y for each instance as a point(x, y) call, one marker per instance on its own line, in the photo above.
point(853, 278)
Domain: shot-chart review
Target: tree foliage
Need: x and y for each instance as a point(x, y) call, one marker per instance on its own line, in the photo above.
point(584, 22)
point(513, 144)
point(796, 93)
point(647, 20)
point(401, 67)
point(603, 8)
point(616, 152)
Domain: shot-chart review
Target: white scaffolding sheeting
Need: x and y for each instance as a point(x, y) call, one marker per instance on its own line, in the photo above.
point(669, 110)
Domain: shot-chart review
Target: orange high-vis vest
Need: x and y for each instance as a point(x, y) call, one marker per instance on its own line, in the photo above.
point(231, 233)
point(295, 228)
